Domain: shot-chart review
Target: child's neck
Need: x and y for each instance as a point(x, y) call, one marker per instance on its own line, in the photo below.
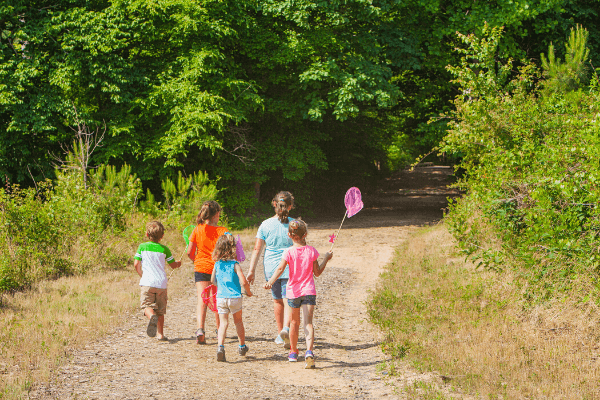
point(300, 243)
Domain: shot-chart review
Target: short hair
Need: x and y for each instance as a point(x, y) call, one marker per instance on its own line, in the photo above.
point(209, 209)
point(225, 248)
point(298, 228)
point(281, 202)
point(155, 231)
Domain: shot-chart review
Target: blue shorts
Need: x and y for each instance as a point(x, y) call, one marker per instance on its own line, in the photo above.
point(310, 300)
point(278, 290)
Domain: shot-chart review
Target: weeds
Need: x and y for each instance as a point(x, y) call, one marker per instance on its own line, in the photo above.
point(475, 328)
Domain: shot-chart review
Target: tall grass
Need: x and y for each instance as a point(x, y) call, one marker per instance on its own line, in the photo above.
point(66, 249)
point(472, 326)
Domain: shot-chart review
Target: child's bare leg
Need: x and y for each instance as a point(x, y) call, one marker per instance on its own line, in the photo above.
point(294, 328)
point(239, 327)
point(287, 313)
point(201, 307)
point(149, 312)
point(309, 330)
point(224, 319)
point(303, 307)
point(278, 308)
point(160, 324)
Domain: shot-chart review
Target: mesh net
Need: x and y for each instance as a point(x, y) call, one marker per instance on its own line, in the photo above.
point(353, 201)
point(209, 297)
point(187, 232)
point(239, 250)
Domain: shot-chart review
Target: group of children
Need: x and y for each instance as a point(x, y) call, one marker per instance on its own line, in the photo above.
point(150, 263)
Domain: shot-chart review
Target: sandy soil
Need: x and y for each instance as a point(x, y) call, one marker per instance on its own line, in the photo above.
point(130, 365)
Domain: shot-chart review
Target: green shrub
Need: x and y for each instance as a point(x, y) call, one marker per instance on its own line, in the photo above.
point(532, 175)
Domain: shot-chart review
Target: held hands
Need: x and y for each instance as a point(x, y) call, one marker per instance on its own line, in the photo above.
point(267, 286)
point(250, 278)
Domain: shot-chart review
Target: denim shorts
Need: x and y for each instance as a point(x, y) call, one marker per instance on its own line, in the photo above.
point(310, 300)
point(278, 290)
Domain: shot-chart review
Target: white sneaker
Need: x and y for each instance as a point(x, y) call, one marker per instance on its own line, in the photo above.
point(285, 335)
point(279, 340)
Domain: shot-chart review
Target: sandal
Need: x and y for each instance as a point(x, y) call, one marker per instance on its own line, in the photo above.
point(200, 338)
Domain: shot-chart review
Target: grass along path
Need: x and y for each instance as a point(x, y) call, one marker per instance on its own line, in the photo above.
point(441, 314)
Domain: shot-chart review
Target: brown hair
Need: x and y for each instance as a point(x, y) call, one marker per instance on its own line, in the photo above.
point(298, 228)
point(224, 248)
point(208, 210)
point(281, 203)
point(155, 231)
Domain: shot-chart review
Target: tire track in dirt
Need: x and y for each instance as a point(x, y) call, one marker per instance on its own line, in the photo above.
point(129, 365)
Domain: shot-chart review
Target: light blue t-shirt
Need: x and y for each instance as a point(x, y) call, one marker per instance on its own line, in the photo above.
point(228, 282)
point(275, 235)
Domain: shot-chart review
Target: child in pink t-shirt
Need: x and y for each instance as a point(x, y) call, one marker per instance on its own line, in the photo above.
point(301, 290)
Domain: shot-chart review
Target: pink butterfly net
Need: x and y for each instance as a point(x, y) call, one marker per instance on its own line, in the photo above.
point(239, 250)
point(354, 204)
point(353, 201)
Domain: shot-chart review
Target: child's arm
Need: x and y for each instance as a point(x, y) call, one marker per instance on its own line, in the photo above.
point(243, 280)
point(175, 264)
point(318, 269)
point(258, 246)
point(192, 251)
point(213, 277)
point(278, 272)
point(137, 264)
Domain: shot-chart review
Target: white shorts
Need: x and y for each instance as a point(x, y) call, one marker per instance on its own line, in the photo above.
point(226, 306)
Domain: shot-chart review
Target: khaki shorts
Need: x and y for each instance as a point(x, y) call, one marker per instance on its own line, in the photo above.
point(226, 306)
point(154, 298)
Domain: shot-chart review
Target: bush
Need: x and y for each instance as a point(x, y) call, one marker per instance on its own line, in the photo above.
point(531, 170)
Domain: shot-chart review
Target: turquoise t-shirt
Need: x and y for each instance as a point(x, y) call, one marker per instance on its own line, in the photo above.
point(228, 282)
point(275, 235)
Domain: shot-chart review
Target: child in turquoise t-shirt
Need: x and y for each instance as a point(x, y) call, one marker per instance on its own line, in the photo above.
point(228, 275)
point(150, 262)
point(273, 236)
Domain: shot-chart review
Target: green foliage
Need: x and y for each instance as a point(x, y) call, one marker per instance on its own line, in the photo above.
point(572, 74)
point(531, 170)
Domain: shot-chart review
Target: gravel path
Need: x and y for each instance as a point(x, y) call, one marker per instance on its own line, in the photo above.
point(130, 365)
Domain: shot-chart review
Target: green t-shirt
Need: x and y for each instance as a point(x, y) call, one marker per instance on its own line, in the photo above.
point(154, 258)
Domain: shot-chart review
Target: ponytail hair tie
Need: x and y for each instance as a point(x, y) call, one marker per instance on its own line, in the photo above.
point(282, 199)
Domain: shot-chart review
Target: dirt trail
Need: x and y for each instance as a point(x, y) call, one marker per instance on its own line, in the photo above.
point(129, 365)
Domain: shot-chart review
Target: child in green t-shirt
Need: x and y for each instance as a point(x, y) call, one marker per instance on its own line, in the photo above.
point(151, 259)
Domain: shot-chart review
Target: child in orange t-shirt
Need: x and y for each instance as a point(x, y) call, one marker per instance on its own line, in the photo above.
point(202, 244)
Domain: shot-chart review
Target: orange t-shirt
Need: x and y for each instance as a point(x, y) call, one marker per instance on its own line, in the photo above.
point(205, 237)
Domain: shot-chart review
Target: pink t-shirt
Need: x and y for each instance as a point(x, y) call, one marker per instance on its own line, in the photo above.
point(301, 281)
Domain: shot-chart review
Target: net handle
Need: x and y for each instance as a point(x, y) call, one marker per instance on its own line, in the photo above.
point(338, 231)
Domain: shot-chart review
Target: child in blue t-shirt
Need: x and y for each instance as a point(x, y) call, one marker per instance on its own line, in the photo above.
point(228, 274)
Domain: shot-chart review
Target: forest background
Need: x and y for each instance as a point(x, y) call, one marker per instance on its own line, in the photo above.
point(114, 112)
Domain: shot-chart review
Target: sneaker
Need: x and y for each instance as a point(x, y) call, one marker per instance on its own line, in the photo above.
point(221, 353)
point(293, 357)
point(285, 335)
point(200, 337)
point(242, 350)
point(309, 359)
point(279, 340)
point(151, 329)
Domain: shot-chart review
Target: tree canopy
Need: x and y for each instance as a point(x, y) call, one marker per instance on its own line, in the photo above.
point(253, 91)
